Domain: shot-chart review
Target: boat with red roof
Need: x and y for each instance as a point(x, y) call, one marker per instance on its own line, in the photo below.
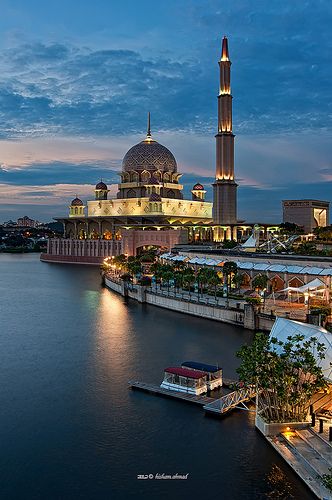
point(182, 379)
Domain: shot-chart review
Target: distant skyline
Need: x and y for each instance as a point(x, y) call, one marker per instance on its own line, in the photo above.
point(76, 83)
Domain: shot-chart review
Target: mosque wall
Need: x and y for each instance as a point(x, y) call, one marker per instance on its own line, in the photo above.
point(142, 206)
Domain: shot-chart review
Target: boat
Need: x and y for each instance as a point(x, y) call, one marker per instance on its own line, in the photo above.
point(213, 373)
point(181, 379)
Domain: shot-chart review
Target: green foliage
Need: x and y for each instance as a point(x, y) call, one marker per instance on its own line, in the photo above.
point(255, 301)
point(229, 244)
point(323, 233)
point(323, 310)
point(260, 281)
point(285, 375)
point(290, 228)
point(327, 479)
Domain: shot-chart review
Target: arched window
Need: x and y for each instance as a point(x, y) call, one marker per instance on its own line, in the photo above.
point(131, 193)
point(145, 176)
point(134, 177)
point(76, 210)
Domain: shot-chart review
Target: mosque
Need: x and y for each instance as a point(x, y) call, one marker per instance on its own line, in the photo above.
point(149, 209)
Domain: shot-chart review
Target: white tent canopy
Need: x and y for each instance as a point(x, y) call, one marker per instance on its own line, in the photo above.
point(283, 328)
point(312, 285)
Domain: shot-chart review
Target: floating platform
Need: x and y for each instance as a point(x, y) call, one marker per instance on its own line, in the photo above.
point(184, 396)
point(218, 406)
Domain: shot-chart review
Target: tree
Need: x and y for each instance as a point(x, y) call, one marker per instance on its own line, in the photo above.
point(214, 281)
point(285, 375)
point(238, 280)
point(290, 228)
point(260, 281)
point(134, 266)
point(229, 270)
point(188, 278)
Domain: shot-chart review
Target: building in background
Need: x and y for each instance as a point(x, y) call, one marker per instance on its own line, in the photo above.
point(307, 214)
point(27, 222)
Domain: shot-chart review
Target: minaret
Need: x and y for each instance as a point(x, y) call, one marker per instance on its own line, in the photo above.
point(224, 188)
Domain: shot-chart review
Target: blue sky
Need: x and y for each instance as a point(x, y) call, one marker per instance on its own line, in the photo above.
point(76, 84)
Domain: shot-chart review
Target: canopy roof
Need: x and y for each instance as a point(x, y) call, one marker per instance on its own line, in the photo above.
point(184, 372)
point(201, 366)
point(283, 328)
point(256, 266)
point(312, 285)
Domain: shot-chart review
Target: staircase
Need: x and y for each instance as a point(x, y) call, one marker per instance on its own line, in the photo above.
point(309, 455)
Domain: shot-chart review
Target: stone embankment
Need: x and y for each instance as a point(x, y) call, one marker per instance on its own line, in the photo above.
point(236, 313)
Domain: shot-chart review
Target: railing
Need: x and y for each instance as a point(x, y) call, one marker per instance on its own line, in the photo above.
point(231, 400)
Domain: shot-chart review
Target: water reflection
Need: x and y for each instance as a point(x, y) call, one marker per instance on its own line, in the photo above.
point(69, 426)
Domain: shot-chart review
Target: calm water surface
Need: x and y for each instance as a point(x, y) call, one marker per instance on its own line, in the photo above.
point(69, 426)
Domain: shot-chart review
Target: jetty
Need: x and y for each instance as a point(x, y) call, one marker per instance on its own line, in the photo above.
point(219, 406)
point(183, 396)
point(230, 401)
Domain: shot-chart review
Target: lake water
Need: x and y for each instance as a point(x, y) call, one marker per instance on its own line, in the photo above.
point(69, 426)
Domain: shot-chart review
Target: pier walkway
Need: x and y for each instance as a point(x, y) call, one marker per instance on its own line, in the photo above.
point(156, 389)
point(230, 401)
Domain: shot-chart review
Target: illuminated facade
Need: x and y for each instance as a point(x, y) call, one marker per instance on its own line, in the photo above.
point(306, 213)
point(225, 187)
point(149, 208)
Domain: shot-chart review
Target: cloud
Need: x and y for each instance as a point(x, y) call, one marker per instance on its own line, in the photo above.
point(281, 77)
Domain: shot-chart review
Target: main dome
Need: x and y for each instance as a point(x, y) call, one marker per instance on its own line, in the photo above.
point(149, 155)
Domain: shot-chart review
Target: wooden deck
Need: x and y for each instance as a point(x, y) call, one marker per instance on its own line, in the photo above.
point(156, 389)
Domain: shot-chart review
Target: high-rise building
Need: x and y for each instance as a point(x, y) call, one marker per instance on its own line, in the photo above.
point(225, 187)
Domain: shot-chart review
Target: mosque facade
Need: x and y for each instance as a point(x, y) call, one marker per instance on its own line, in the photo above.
point(149, 208)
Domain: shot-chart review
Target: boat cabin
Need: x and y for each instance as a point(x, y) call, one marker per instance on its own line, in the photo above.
point(184, 380)
point(213, 373)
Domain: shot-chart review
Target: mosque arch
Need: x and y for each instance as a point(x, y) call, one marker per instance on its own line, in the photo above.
point(145, 176)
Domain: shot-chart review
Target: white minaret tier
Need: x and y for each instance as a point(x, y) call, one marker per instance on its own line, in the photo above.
point(224, 188)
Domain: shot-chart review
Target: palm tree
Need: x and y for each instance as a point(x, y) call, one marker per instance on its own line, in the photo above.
point(189, 278)
point(238, 281)
point(214, 281)
point(229, 269)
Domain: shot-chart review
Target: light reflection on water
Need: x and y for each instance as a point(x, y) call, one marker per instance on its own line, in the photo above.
point(71, 428)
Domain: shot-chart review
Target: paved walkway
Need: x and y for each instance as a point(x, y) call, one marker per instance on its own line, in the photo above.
point(308, 455)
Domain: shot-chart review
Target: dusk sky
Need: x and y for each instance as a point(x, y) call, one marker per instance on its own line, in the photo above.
point(78, 78)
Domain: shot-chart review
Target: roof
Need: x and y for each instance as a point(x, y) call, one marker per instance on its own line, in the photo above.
point(201, 366)
point(184, 372)
point(77, 202)
point(101, 185)
point(257, 266)
point(198, 187)
point(149, 155)
point(283, 328)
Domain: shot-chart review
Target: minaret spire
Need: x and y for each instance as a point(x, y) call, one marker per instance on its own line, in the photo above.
point(224, 206)
point(224, 49)
point(148, 133)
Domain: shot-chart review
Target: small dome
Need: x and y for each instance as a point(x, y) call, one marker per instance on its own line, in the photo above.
point(198, 187)
point(155, 197)
point(77, 203)
point(101, 186)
